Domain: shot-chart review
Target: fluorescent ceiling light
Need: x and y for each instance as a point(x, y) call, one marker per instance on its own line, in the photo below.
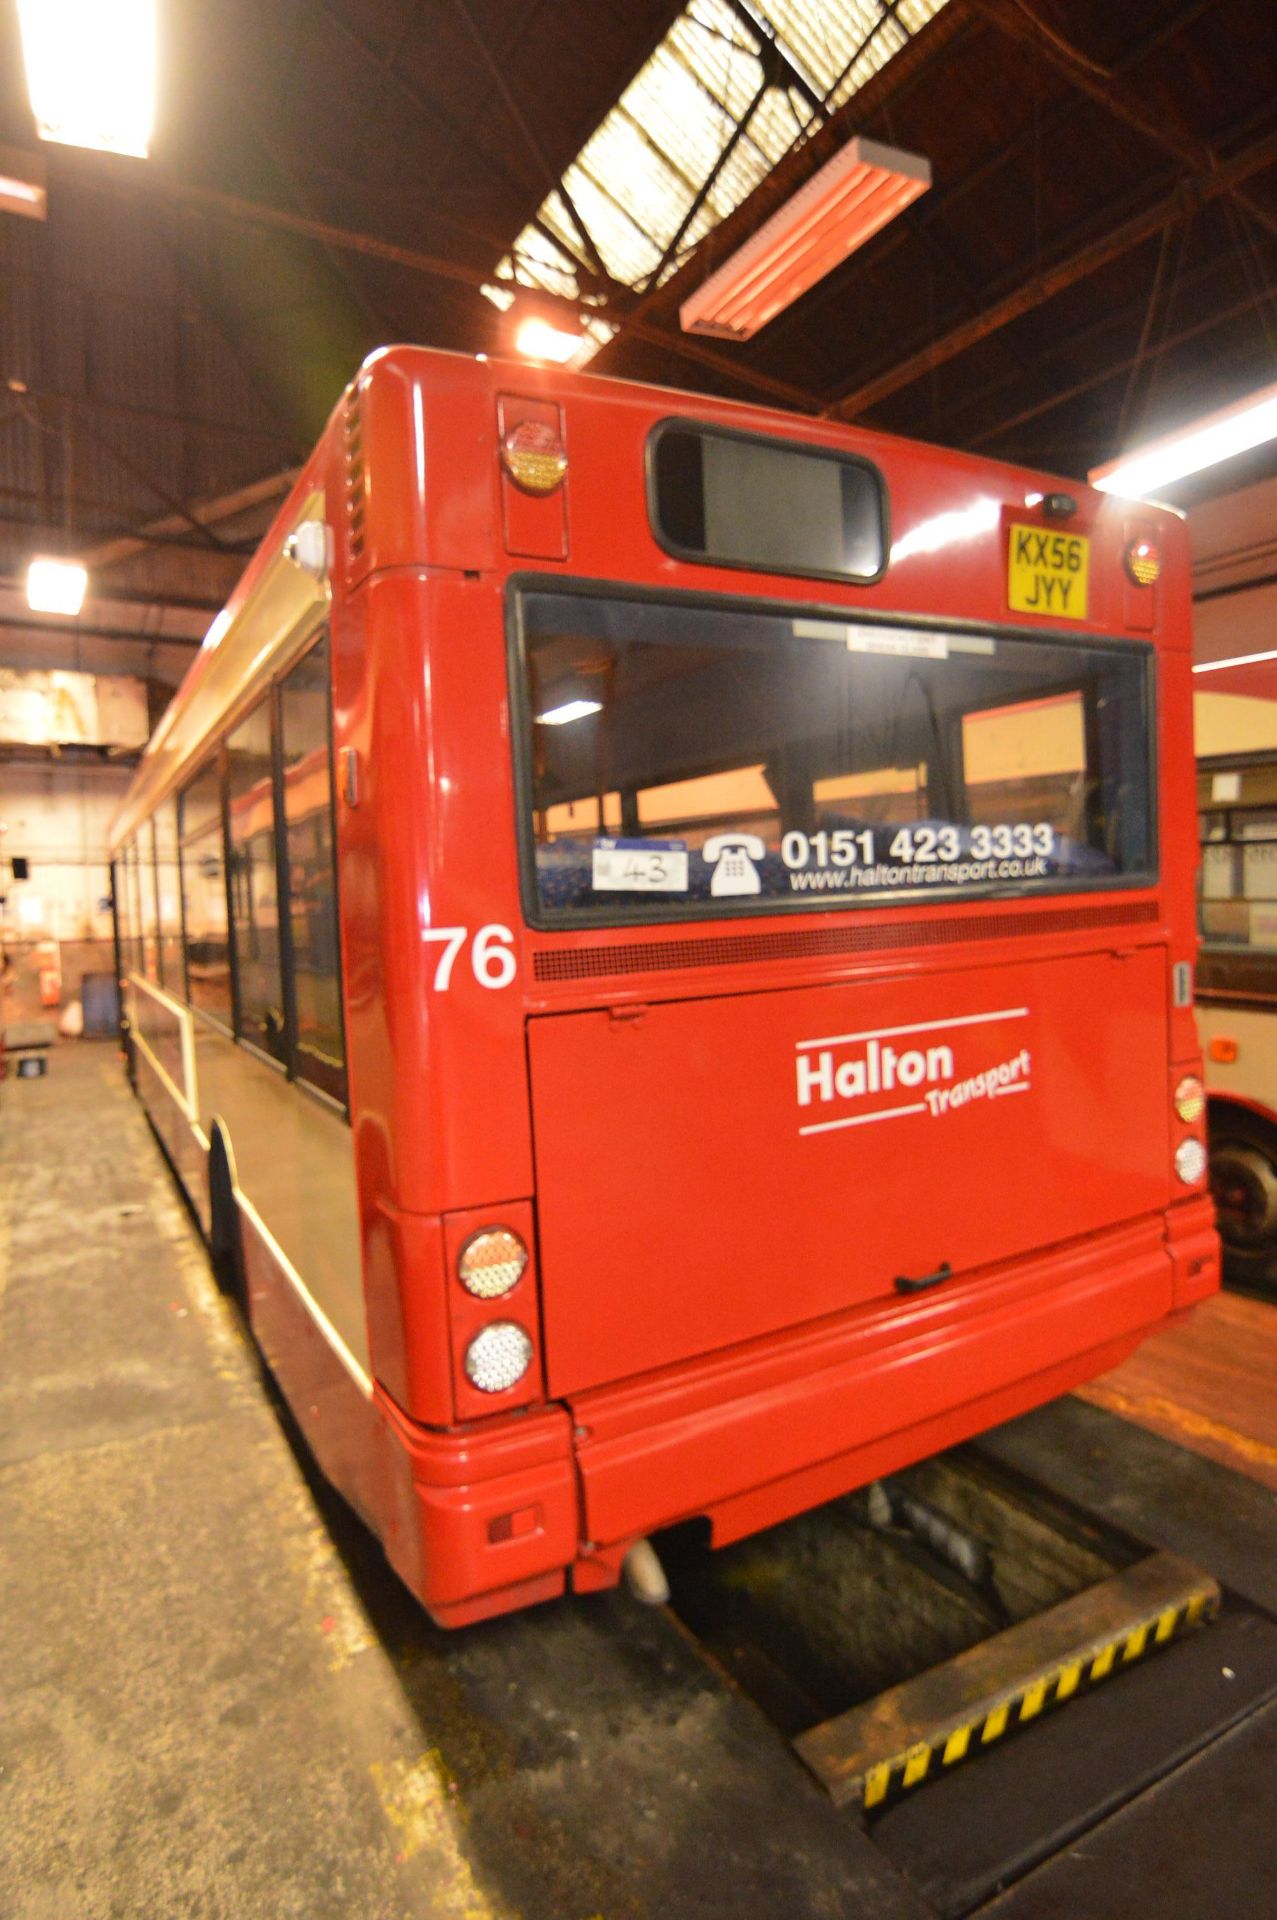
point(1237, 660)
point(56, 586)
point(852, 197)
point(91, 71)
point(22, 184)
point(538, 340)
point(1218, 436)
point(570, 710)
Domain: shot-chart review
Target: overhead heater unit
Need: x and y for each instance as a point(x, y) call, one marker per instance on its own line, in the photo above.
point(854, 195)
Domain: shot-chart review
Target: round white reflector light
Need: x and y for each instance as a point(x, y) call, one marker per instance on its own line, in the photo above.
point(498, 1357)
point(1190, 1099)
point(1190, 1162)
point(492, 1262)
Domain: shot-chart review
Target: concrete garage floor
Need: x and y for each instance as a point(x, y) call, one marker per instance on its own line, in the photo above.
point(215, 1698)
point(196, 1718)
point(217, 1701)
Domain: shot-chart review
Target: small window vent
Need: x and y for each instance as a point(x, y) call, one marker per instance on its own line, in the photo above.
point(353, 440)
point(817, 943)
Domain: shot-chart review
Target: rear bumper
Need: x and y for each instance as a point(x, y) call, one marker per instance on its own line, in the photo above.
point(485, 1521)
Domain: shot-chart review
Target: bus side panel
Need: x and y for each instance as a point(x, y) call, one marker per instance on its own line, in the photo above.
point(1178, 809)
point(438, 1083)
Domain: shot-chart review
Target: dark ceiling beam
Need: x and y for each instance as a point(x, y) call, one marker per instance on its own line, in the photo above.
point(1015, 18)
point(226, 506)
point(178, 508)
point(12, 523)
point(427, 108)
point(153, 416)
point(1053, 280)
point(1114, 369)
point(10, 624)
point(251, 213)
point(965, 415)
point(550, 180)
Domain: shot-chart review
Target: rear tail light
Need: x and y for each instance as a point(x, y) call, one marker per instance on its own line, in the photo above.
point(534, 456)
point(492, 1263)
point(1190, 1099)
point(1144, 562)
point(498, 1357)
point(1190, 1162)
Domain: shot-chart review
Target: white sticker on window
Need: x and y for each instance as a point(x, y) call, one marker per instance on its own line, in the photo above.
point(892, 640)
point(640, 866)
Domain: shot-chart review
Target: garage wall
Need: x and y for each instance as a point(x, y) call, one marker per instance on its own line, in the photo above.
point(58, 920)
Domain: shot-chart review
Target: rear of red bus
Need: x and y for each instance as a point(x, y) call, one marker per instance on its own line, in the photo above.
point(767, 861)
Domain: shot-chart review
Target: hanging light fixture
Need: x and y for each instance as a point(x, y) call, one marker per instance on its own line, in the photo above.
point(537, 339)
point(56, 586)
point(852, 197)
point(91, 71)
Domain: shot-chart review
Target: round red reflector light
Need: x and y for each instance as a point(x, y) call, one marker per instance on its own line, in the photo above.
point(1144, 562)
point(534, 456)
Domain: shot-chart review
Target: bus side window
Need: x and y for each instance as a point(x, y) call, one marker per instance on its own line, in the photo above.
point(306, 755)
point(208, 971)
point(250, 788)
point(124, 906)
point(146, 891)
point(168, 891)
point(135, 907)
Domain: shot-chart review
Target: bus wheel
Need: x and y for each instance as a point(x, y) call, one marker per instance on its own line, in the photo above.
point(225, 1241)
point(1243, 1180)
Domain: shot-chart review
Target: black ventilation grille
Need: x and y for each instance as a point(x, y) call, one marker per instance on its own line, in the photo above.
point(817, 943)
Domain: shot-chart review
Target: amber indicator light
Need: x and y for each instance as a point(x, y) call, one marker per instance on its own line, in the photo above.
point(534, 457)
point(1144, 562)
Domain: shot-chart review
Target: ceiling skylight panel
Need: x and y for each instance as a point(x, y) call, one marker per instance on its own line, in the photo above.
point(895, 33)
point(552, 214)
point(913, 15)
point(712, 43)
point(746, 169)
point(874, 58)
point(537, 262)
point(627, 251)
point(627, 163)
point(821, 39)
point(680, 117)
point(777, 124)
point(636, 179)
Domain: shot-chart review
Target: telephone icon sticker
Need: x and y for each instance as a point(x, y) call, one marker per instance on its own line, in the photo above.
point(732, 856)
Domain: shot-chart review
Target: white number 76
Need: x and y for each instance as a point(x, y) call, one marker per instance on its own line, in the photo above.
point(491, 954)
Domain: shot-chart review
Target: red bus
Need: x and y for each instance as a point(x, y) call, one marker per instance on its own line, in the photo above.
point(658, 937)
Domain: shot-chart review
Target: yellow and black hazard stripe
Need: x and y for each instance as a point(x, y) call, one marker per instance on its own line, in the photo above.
point(956, 1742)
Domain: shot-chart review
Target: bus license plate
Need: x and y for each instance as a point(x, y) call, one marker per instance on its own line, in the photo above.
point(1047, 572)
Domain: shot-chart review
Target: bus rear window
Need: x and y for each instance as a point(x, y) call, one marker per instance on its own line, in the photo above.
point(738, 500)
point(682, 760)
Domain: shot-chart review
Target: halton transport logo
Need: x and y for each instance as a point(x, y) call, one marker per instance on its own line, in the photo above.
point(934, 1067)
